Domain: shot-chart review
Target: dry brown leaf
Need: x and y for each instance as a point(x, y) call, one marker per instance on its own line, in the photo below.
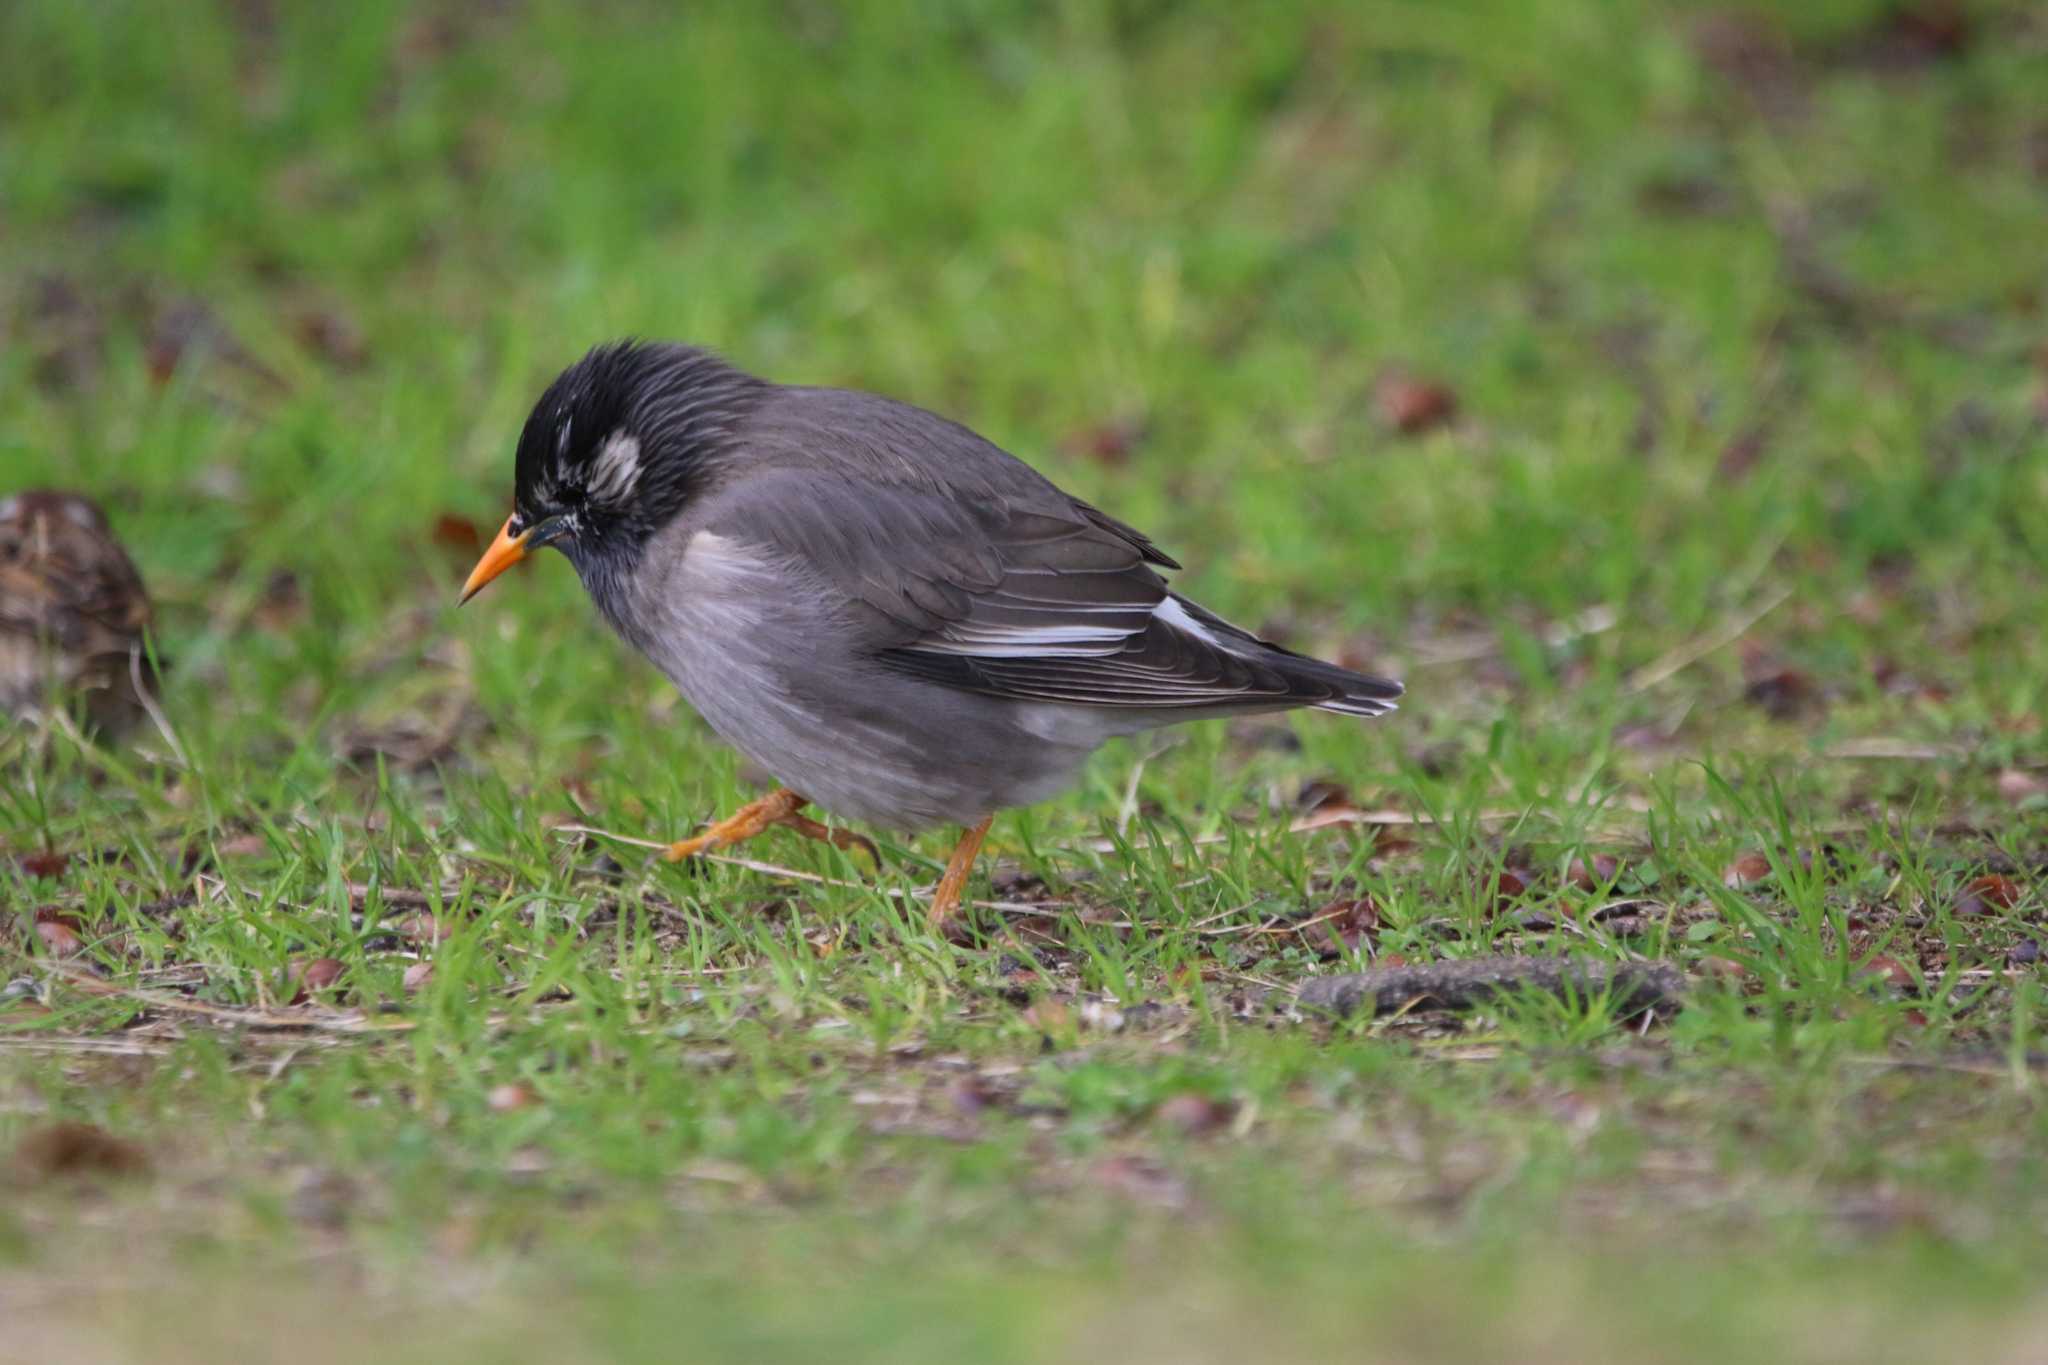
point(457, 534)
point(44, 864)
point(1895, 973)
point(1602, 871)
point(1746, 871)
point(1195, 1115)
point(1988, 893)
point(2017, 786)
point(71, 1149)
point(1109, 443)
point(302, 979)
point(58, 935)
point(1413, 405)
point(1342, 926)
point(1142, 1181)
point(1511, 885)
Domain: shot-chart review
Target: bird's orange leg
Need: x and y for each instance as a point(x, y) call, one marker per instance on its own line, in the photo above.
point(779, 807)
point(946, 899)
point(838, 838)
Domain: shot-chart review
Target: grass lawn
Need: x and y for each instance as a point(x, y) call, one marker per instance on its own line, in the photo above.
point(1660, 390)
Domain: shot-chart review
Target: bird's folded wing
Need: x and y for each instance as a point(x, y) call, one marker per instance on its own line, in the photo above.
point(1044, 600)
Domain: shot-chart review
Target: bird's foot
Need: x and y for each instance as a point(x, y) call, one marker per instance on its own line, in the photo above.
point(838, 838)
point(779, 807)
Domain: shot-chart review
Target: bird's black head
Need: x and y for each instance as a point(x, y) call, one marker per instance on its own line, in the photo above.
point(613, 450)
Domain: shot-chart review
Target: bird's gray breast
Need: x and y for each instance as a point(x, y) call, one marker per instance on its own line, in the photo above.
point(776, 661)
point(722, 620)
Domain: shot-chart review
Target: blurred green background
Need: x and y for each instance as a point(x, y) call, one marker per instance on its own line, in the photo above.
point(1647, 384)
point(337, 251)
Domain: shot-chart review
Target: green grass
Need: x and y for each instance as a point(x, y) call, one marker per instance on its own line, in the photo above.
point(1742, 316)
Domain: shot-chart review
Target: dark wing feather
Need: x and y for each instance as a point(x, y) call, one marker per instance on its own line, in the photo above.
point(965, 567)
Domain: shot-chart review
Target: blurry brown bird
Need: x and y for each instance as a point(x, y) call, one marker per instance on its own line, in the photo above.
point(73, 613)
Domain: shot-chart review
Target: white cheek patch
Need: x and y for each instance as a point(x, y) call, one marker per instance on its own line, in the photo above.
point(616, 470)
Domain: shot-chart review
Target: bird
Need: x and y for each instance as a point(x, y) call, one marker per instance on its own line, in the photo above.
point(899, 621)
point(74, 615)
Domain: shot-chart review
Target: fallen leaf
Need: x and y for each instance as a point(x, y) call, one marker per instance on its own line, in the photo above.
point(1894, 972)
point(970, 1095)
point(1987, 893)
point(1321, 793)
point(243, 846)
point(1782, 693)
point(58, 938)
point(1746, 871)
point(73, 1149)
point(458, 534)
point(333, 336)
point(2025, 953)
point(2017, 786)
point(1343, 926)
point(417, 976)
point(1048, 1016)
point(317, 974)
point(1740, 455)
point(188, 329)
point(424, 927)
point(175, 331)
point(1908, 36)
point(1601, 872)
point(1411, 405)
point(1109, 443)
point(1195, 1115)
point(44, 864)
point(1725, 969)
point(1141, 1181)
point(509, 1096)
point(1511, 885)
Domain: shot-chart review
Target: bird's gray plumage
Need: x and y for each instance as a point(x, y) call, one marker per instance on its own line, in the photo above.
point(888, 612)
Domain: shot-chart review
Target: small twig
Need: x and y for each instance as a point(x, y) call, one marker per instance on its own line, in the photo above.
point(1965, 1066)
point(111, 1047)
point(618, 838)
point(403, 897)
point(257, 1019)
point(1881, 747)
point(1328, 817)
point(1686, 655)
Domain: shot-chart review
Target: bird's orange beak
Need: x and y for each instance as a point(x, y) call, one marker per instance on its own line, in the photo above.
point(505, 551)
